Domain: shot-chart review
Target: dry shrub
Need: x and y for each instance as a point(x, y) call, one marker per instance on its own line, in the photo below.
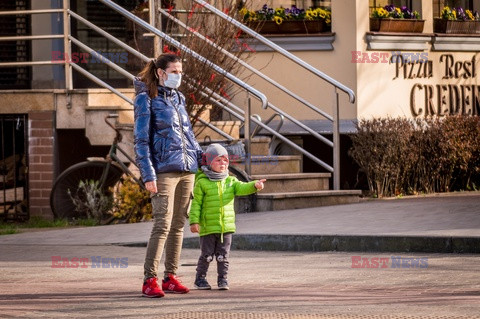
point(132, 203)
point(381, 149)
point(401, 156)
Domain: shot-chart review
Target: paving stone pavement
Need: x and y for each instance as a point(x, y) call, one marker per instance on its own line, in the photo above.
point(264, 284)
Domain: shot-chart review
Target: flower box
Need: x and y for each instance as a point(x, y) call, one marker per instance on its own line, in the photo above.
point(396, 25)
point(289, 27)
point(455, 26)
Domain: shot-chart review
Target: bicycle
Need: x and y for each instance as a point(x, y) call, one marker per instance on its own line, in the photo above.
point(107, 171)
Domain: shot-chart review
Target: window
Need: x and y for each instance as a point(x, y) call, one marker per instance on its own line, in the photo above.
point(381, 3)
point(465, 4)
point(300, 3)
point(321, 4)
point(412, 5)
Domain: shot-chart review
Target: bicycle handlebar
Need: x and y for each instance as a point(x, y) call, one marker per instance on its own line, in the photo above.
point(119, 135)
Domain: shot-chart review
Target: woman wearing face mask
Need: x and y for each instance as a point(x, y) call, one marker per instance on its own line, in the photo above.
point(167, 155)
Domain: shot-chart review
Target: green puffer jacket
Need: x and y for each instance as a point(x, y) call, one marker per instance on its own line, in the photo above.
point(212, 205)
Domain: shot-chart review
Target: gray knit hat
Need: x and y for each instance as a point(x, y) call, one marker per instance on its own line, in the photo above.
point(213, 150)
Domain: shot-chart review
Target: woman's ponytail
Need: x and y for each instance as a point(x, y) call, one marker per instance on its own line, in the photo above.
point(149, 76)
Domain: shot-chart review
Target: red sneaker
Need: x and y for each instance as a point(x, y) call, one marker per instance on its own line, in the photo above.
point(151, 289)
point(173, 285)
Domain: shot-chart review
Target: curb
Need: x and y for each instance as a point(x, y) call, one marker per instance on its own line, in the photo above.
point(316, 243)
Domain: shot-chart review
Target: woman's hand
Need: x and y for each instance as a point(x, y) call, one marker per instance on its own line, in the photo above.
point(151, 187)
point(194, 228)
point(259, 185)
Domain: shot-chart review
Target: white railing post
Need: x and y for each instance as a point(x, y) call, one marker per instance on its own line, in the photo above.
point(246, 135)
point(156, 22)
point(67, 48)
point(336, 141)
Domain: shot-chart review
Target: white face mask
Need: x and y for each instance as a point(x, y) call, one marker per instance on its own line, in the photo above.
point(173, 81)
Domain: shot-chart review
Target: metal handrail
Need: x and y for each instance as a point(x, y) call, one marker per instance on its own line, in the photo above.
point(105, 60)
point(27, 63)
point(280, 123)
point(216, 129)
point(215, 98)
point(247, 66)
point(24, 12)
point(337, 85)
point(279, 49)
point(127, 14)
point(100, 82)
point(279, 126)
point(269, 104)
point(109, 36)
point(32, 37)
point(114, 66)
point(69, 65)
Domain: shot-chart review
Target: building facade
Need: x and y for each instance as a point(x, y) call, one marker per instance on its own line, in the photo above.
point(393, 74)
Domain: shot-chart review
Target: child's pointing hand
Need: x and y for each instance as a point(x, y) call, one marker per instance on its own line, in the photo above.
point(259, 184)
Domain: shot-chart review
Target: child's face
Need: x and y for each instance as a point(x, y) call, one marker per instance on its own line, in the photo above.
point(219, 164)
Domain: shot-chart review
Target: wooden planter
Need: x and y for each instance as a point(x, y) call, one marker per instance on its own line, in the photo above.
point(289, 27)
point(396, 25)
point(456, 27)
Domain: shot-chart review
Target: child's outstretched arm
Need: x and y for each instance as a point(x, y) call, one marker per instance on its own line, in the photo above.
point(243, 189)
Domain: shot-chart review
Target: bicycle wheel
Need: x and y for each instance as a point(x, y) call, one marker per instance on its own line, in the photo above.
point(61, 202)
point(239, 173)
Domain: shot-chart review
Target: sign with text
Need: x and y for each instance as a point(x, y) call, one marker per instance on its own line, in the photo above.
point(454, 97)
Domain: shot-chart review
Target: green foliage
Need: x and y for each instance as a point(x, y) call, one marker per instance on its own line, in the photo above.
point(90, 200)
point(8, 229)
point(14, 227)
point(85, 222)
point(401, 156)
point(132, 203)
point(39, 222)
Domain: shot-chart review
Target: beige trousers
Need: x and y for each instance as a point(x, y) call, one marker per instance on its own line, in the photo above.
point(170, 207)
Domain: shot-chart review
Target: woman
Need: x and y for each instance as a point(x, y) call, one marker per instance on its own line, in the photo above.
point(167, 155)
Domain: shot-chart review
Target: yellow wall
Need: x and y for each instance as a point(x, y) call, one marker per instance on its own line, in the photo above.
point(381, 92)
point(382, 89)
point(334, 63)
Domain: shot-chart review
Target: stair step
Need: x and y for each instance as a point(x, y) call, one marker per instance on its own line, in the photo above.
point(294, 200)
point(272, 164)
point(278, 183)
point(260, 145)
point(292, 175)
point(104, 97)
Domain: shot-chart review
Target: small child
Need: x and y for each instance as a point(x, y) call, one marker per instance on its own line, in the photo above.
point(212, 214)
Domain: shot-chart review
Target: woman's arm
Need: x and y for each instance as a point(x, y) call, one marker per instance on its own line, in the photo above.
point(141, 133)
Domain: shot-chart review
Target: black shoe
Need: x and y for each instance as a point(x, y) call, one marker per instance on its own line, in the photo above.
point(202, 283)
point(222, 284)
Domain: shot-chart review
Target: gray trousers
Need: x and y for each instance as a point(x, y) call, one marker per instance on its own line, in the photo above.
point(213, 249)
point(170, 208)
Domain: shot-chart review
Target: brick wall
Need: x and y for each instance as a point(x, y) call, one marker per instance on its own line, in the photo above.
point(41, 162)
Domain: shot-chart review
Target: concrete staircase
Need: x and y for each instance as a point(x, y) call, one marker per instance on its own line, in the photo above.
point(287, 186)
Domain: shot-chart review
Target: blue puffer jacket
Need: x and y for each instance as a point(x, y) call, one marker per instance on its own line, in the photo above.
point(163, 136)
